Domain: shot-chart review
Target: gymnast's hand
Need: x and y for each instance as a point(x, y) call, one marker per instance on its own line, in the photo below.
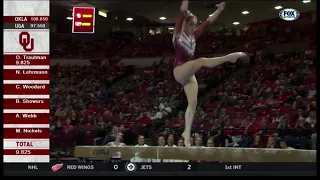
point(221, 6)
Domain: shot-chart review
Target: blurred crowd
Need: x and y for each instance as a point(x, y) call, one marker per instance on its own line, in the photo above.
point(251, 38)
point(268, 103)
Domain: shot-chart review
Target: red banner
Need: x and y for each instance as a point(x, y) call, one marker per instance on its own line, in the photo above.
point(83, 20)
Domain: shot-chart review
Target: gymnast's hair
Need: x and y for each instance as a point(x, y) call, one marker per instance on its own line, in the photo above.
point(188, 15)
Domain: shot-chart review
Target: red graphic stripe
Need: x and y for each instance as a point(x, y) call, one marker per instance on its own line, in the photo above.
point(26, 152)
point(21, 59)
point(26, 74)
point(26, 133)
point(25, 89)
point(26, 103)
point(25, 19)
point(26, 118)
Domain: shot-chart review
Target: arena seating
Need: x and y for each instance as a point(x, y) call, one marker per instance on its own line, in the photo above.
point(273, 99)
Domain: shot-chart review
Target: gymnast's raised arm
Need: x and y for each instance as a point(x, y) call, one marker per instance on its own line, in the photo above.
point(212, 18)
point(183, 12)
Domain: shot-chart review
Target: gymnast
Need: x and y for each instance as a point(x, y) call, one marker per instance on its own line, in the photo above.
point(184, 66)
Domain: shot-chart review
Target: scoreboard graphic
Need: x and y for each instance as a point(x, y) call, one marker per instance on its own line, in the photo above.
point(26, 81)
point(83, 20)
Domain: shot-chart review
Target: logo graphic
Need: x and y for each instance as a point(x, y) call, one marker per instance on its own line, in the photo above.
point(83, 20)
point(131, 167)
point(289, 14)
point(78, 23)
point(56, 167)
point(25, 40)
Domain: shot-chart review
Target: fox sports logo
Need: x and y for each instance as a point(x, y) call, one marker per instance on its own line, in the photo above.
point(289, 14)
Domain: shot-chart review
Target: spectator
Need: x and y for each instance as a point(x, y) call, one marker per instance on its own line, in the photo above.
point(60, 112)
point(161, 142)
point(228, 133)
point(52, 125)
point(313, 141)
point(180, 143)
point(164, 107)
point(198, 142)
point(298, 103)
point(101, 135)
point(312, 91)
point(170, 141)
point(312, 118)
point(200, 114)
point(68, 126)
point(216, 132)
point(58, 126)
point(144, 120)
point(257, 143)
point(137, 157)
point(283, 144)
point(301, 133)
point(110, 132)
point(284, 128)
point(156, 115)
point(166, 111)
point(210, 143)
point(277, 117)
point(117, 143)
point(141, 141)
point(271, 142)
point(192, 141)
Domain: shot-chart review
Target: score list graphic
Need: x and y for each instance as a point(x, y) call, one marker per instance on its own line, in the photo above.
point(26, 81)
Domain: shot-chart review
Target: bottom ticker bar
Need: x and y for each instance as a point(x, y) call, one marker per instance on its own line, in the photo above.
point(165, 174)
point(101, 167)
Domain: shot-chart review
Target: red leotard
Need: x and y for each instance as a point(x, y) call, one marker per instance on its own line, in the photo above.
point(185, 47)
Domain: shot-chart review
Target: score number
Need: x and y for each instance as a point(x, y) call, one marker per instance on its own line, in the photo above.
point(22, 62)
point(41, 18)
point(23, 152)
point(116, 167)
point(190, 167)
point(38, 26)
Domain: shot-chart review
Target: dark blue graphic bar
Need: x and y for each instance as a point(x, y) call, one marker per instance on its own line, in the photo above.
point(100, 168)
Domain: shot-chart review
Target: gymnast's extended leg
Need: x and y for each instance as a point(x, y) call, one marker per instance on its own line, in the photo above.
point(184, 72)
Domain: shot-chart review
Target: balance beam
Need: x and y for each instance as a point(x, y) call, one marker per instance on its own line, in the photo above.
point(199, 153)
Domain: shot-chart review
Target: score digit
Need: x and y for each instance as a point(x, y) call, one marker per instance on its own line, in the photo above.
point(34, 18)
point(116, 167)
point(190, 167)
point(45, 19)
